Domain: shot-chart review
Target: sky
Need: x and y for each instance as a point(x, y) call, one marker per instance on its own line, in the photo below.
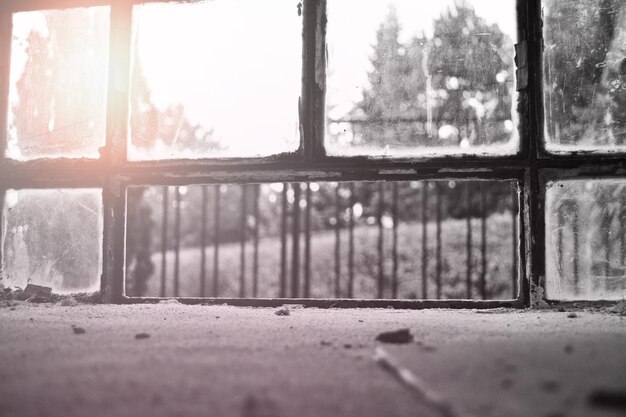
point(235, 65)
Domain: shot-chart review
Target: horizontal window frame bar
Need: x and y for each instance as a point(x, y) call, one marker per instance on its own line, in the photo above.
point(92, 171)
point(334, 302)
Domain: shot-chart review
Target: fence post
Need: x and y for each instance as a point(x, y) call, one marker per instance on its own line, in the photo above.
point(242, 254)
point(351, 244)
point(295, 254)
point(394, 249)
point(307, 243)
point(337, 241)
point(468, 240)
point(283, 244)
point(424, 240)
point(255, 259)
point(381, 270)
point(177, 246)
point(216, 241)
point(165, 209)
point(203, 221)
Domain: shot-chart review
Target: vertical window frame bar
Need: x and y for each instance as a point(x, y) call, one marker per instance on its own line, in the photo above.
point(117, 128)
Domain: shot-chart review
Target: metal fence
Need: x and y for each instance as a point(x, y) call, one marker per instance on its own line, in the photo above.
point(295, 213)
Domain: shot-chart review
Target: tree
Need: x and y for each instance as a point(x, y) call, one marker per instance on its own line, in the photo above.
point(585, 93)
point(471, 63)
point(459, 81)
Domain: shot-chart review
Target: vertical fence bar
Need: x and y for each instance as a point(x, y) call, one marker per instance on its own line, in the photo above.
point(424, 240)
point(394, 249)
point(381, 269)
point(483, 242)
point(351, 243)
point(3, 232)
point(177, 247)
point(242, 253)
point(605, 230)
point(515, 245)
point(216, 240)
point(337, 241)
point(255, 259)
point(438, 239)
point(307, 243)
point(560, 221)
point(295, 254)
point(203, 224)
point(575, 232)
point(468, 241)
point(283, 244)
point(622, 228)
point(164, 221)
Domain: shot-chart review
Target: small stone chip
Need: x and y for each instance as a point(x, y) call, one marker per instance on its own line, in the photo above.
point(169, 301)
point(139, 336)
point(282, 312)
point(38, 291)
point(396, 336)
point(572, 315)
point(78, 330)
point(69, 302)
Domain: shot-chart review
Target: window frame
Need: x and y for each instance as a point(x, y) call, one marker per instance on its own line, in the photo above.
point(532, 166)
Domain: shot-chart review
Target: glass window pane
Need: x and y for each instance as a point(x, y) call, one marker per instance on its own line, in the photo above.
point(215, 79)
point(585, 75)
point(586, 240)
point(53, 238)
point(412, 78)
point(57, 93)
point(194, 234)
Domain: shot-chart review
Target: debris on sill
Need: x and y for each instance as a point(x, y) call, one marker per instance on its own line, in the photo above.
point(572, 315)
point(608, 399)
point(537, 296)
point(283, 311)
point(619, 308)
point(68, 301)
point(140, 336)
point(169, 301)
point(397, 336)
point(497, 310)
point(78, 330)
point(39, 292)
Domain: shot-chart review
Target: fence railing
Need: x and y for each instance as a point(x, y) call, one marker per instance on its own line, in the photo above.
point(340, 214)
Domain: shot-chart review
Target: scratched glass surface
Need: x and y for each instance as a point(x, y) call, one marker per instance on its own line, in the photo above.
point(53, 238)
point(170, 226)
point(585, 75)
point(58, 81)
point(215, 79)
point(426, 79)
point(586, 240)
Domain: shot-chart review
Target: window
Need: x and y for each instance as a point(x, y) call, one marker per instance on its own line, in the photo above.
point(329, 152)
